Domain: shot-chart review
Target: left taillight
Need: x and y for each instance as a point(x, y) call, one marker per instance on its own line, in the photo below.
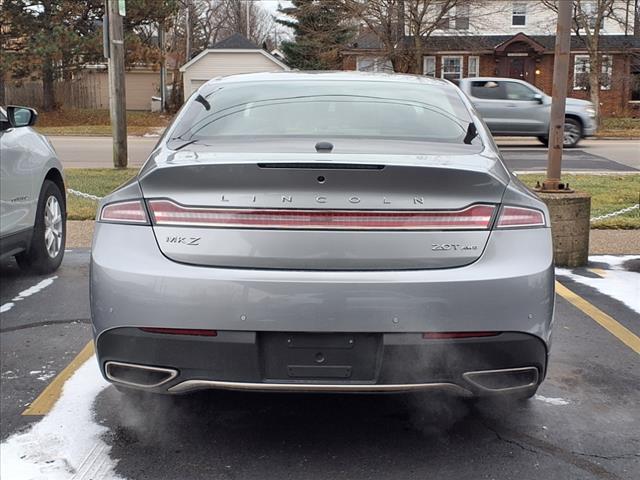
point(520, 217)
point(130, 211)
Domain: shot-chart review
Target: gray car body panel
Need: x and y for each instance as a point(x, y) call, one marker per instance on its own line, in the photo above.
point(25, 160)
point(380, 282)
point(525, 117)
point(509, 288)
point(419, 182)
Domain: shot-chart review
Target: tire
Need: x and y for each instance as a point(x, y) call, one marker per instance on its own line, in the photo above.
point(572, 132)
point(49, 232)
point(544, 140)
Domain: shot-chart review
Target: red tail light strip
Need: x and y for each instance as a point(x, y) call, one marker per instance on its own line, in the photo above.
point(475, 217)
point(181, 331)
point(124, 212)
point(511, 217)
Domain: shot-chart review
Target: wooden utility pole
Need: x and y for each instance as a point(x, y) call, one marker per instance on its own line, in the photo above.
point(569, 211)
point(163, 70)
point(117, 96)
point(187, 32)
point(560, 82)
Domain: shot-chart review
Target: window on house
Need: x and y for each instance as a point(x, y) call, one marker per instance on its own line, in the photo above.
point(443, 23)
point(519, 14)
point(582, 67)
point(635, 80)
point(589, 13)
point(474, 67)
point(374, 64)
point(429, 66)
point(462, 17)
point(581, 72)
point(606, 65)
point(452, 68)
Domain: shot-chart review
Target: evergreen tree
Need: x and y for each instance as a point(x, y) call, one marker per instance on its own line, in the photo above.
point(47, 39)
point(320, 30)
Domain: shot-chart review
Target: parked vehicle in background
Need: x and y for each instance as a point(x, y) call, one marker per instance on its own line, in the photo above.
point(516, 108)
point(32, 194)
point(371, 239)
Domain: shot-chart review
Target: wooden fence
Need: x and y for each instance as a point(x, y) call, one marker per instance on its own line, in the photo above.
point(88, 91)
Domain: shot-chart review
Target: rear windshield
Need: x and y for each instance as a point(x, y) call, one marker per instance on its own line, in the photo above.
point(326, 110)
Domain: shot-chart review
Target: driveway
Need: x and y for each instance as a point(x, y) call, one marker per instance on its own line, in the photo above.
point(583, 424)
point(520, 154)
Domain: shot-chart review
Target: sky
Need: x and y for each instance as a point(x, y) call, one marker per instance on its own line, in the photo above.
point(272, 5)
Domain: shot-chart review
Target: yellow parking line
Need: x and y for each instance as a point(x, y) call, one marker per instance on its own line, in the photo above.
point(50, 395)
point(598, 271)
point(623, 334)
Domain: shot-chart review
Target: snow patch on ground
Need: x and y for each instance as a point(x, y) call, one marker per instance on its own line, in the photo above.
point(551, 400)
point(27, 293)
point(35, 289)
point(5, 307)
point(67, 442)
point(618, 283)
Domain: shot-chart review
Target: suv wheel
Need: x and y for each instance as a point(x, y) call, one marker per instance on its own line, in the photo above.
point(572, 134)
point(49, 232)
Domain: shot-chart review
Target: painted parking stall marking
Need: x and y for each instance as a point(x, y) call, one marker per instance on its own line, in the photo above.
point(623, 334)
point(67, 443)
point(50, 395)
point(27, 293)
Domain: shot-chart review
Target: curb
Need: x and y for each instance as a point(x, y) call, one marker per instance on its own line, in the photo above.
point(595, 137)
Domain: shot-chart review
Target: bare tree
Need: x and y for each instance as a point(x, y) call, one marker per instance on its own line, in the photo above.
point(403, 27)
point(199, 24)
point(385, 19)
point(588, 22)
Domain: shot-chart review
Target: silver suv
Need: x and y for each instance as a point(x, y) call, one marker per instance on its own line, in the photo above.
point(33, 203)
point(516, 108)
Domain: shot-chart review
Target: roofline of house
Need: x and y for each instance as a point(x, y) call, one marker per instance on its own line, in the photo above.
point(380, 51)
point(232, 50)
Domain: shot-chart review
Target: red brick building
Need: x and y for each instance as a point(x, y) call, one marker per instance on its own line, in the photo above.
point(526, 57)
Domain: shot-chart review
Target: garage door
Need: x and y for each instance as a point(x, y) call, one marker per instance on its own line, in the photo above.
point(196, 84)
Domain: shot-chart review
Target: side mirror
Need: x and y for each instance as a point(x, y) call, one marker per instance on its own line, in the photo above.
point(538, 98)
point(21, 116)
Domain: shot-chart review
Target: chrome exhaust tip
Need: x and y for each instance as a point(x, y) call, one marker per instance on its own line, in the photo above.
point(139, 376)
point(503, 380)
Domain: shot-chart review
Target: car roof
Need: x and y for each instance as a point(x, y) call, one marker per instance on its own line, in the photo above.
point(328, 75)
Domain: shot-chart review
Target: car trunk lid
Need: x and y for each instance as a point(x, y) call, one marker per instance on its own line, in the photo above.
point(346, 212)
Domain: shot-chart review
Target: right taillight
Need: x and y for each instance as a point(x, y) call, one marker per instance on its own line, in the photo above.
point(520, 217)
point(130, 211)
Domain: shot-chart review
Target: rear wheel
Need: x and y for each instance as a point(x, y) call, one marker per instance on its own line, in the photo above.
point(49, 232)
point(572, 134)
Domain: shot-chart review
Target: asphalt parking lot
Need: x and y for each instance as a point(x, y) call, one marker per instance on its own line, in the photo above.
point(583, 423)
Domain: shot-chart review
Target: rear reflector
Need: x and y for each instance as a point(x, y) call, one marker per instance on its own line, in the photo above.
point(181, 331)
point(475, 217)
point(131, 211)
point(511, 217)
point(445, 335)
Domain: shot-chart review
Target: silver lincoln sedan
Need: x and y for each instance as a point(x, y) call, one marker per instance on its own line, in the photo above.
point(324, 232)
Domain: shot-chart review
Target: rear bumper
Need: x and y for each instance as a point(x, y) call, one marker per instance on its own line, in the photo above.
point(510, 289)
point(404, 362)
